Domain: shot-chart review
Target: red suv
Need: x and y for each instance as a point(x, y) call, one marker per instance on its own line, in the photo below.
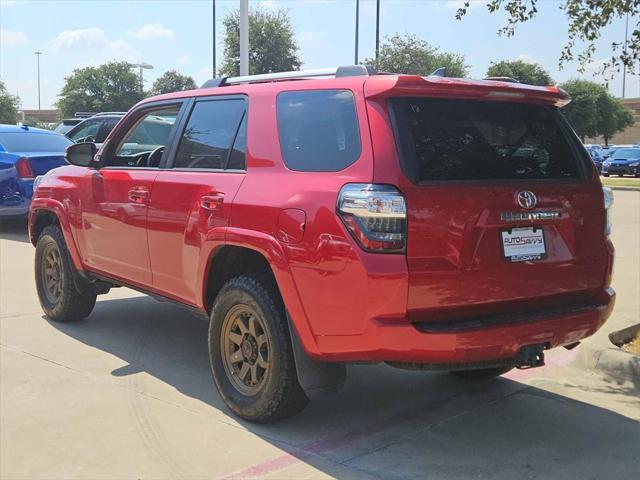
point(325, 217)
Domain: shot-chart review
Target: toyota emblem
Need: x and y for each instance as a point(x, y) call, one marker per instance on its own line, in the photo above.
point(526, 199)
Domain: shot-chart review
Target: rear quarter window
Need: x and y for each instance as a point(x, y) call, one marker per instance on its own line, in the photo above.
point(318, 130)
point(443, 139)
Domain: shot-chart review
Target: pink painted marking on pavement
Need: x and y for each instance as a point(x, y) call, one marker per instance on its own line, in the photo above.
point(555, 358)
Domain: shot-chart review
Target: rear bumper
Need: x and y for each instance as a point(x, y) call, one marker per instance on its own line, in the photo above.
point(402, 341)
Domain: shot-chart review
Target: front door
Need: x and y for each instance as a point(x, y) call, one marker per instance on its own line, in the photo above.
point(192, 198)
point(114, 199)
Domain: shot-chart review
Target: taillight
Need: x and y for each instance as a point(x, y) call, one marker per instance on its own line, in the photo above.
point(608, 203)
point(23, 167)
point(376, 216)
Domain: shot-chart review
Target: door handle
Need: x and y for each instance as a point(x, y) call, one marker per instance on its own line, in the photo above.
point(138, 194)
point(212, 201)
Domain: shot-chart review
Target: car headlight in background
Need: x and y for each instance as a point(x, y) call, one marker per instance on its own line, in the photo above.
point(608, 203)
point(634, 164)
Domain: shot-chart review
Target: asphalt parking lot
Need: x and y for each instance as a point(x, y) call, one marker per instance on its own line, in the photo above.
point(127, 394)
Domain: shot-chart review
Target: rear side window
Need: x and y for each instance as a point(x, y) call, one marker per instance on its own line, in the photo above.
point(318, 130)
point(471, 140)
point(209, 136)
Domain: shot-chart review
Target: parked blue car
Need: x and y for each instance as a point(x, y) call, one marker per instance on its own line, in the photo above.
point(25, 153)
point(623, 161)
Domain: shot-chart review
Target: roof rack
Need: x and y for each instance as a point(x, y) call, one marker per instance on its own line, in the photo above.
point(344, 71)
point(502, 79)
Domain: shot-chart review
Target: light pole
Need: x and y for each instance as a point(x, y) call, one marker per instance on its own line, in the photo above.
point(213, 7)
point(141, 66)
point(377, 28)
point(357, 26)
point(38, 57)
point(624, 67)
point(244, 37)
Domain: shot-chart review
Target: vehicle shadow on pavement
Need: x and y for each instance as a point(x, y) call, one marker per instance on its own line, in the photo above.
point(385, 423)
point(14, 230)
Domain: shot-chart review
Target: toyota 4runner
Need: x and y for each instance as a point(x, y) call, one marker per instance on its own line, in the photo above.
point(325, 217)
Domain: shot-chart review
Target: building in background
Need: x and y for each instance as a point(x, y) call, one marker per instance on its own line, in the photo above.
point(632, 134)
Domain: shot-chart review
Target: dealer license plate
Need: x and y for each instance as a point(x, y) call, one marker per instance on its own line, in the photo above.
point(523, 244)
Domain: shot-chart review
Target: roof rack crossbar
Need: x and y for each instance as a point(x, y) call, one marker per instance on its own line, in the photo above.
point(345, 71)
point(502, 79)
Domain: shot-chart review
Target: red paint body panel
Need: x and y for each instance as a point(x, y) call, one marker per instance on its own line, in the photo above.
point(345, 303)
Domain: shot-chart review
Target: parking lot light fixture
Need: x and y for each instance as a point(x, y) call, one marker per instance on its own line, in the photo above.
point(38, 56)
point(142, 66)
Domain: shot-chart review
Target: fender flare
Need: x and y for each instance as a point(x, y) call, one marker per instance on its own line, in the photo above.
point(272, 251)
point(55, 207)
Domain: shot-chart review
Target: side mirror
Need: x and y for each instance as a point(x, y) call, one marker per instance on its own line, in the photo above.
point(80, 154)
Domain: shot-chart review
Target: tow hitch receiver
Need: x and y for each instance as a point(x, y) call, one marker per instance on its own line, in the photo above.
point(530, 356)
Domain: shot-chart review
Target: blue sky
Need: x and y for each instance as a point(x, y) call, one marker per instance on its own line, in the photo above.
point(173, 34)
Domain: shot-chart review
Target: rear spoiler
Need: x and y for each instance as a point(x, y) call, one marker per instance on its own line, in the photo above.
point(494, 90)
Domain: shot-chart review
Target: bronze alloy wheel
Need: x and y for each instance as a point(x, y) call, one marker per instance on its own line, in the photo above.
point(52, 273)
point(245, 345)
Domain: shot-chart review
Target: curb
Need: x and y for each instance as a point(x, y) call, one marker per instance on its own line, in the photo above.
point(628, 189)
point(612, 362)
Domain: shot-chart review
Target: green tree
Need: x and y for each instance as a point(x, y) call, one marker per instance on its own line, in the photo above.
point(586, 20)
point(613, 116)
point(272, 45)
point(410, 54)
point(582, 112)
point(110, 87)
point(594, 111)
point(172, 81)
point(8, 106)
point(524, 72)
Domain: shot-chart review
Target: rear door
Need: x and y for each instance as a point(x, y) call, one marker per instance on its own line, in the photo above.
point(192, 198)
point(503, 209)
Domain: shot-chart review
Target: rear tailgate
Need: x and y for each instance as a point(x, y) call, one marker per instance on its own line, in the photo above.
point(483, 177)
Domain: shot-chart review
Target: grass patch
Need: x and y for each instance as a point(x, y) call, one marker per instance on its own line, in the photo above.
point(621, 182)
point(633, 346)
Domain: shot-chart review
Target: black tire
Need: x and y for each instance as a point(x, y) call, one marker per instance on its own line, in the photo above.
point(482, 373)
point(605, 174)
point(66, 304)
point(278, 394)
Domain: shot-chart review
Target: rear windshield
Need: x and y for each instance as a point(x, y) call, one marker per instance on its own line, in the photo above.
point(33, 142)
point(444, 139)
point(318, 130)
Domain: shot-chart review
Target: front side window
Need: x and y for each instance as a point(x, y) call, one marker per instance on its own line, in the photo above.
point(149, 133)
point(214, 136)
point(318, 130)
point(85, 131)
point(442, 139)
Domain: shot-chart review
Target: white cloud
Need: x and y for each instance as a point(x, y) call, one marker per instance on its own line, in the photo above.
point(268, 4)
point(311, 37)
point(183, 59)
point(153, 30)
point(10, 38)
point(526, 58)
point(100, 46)
point(82, 39)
